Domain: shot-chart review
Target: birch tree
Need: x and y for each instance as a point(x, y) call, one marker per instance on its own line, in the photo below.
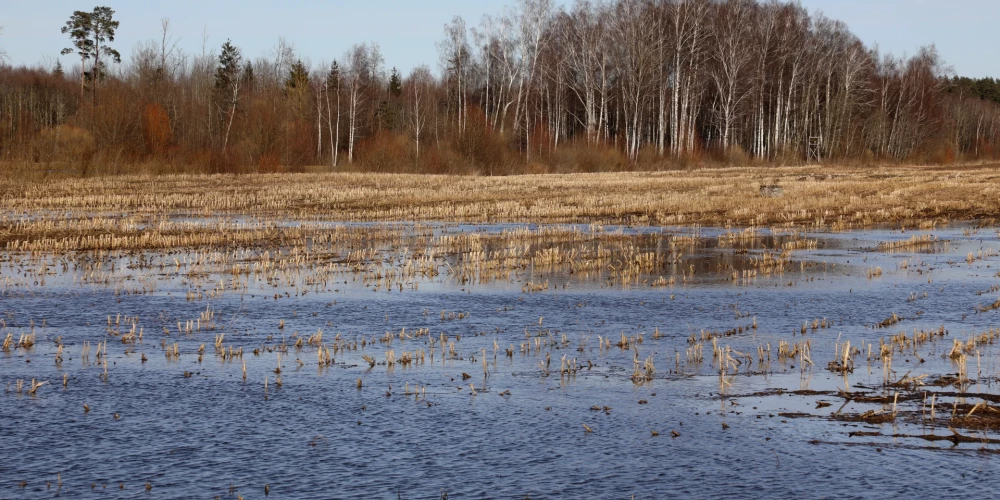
point(635, 55)
point(456, 60)
point(417, 92)
point(361, 75)
point(731, 56)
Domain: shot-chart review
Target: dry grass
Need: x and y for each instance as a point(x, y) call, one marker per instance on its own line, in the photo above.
point(838, 197)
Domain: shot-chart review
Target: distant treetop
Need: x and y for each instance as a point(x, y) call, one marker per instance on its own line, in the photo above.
point(984, 88)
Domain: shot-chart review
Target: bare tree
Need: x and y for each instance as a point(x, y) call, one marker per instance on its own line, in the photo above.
point(362, 73)
point(585, 37)
point(688, 22)
point(170, 56)
point(497, 39)
point(418, 87)
point(456, 61)
point(731, 56)
point(635, 53)
point(533, 17)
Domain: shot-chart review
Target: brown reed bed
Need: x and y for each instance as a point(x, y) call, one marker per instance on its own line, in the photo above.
point(839, 197)
point(313, 256)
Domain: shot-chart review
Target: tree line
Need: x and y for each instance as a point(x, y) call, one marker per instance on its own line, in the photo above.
point(612, 85)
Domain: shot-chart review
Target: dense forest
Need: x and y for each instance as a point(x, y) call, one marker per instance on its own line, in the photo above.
point(618, 85)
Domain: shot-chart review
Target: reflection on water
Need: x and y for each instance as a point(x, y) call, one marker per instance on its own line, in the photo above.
point(412, 361)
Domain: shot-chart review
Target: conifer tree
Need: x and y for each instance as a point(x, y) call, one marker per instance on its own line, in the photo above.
point(395, 84)
point(79, 27)
point(102, 29)
point(227, 83)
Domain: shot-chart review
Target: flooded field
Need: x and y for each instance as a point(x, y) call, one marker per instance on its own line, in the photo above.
point(229, 357)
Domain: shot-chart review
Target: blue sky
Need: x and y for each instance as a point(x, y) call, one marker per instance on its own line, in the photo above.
point(407, 30)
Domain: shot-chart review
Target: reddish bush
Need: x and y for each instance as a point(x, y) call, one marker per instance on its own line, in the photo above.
point(269, 163)
point(156, 125)
point(386, 152)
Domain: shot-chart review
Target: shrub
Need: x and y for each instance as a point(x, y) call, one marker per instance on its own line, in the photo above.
point(156, 125)
point(386, 152)
point(66, 146)
point(578, 156)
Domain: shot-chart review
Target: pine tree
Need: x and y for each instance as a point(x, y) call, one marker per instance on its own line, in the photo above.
point(102, 29)
point(79, 28)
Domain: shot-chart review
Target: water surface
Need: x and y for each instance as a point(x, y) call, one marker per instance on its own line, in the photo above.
point(190, 427)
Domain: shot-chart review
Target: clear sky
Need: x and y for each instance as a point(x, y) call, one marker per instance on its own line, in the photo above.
point(964, 31)
point(407, 30)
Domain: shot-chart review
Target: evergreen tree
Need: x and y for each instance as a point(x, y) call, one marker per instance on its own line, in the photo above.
point(297, 88)
point(987, 89)
point(298, 78)
point(79, 28)
point(248, 77)
point(333, 77)
point(383, 116)
point(227, 73)
point(227, 83)
point(102, 29)
point(395, 84)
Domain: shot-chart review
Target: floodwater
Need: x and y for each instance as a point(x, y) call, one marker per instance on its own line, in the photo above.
point(467, 419)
